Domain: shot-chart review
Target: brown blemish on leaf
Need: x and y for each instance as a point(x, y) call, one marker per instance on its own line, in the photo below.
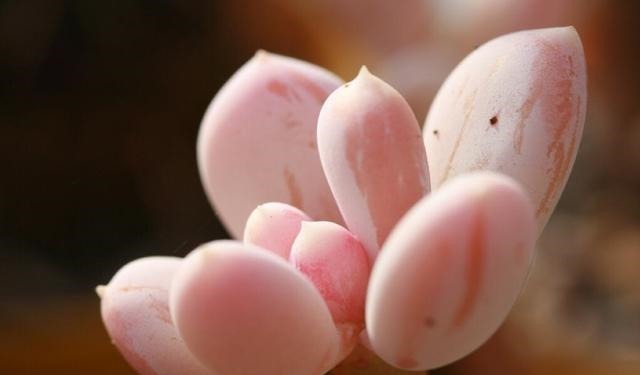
point(160, 308)
point(561, 164)
point(138, 288)
point(156, 297)
point(474, 270)
point(555, 177)
point(280, 89)
point(435, 132)
point(525, 111)
point(429, 322)
point(291, 123)
point(561, 111)
point(295, 195)
point(316, 91)
point(468, 107)
point(493, 120)
point(556, 105)
point(425, 295)
point(467, 112)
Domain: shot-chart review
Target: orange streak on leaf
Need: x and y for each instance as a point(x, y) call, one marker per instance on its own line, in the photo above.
point(474, 270)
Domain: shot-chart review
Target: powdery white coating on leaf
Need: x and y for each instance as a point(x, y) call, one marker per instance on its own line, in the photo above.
point(337, 264)
point(135, 311)
point(274, 226)
point(243, 310)
point(450, 271)
point(257, 141)
point(515, 105)
point(372, 154)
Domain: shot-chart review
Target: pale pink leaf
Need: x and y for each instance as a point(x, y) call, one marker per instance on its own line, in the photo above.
point(257, 141)
point(372, 153)
point(135, 311)
point(515, 105)
point(450, 271)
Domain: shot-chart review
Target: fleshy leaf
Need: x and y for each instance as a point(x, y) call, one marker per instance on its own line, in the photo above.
point(243, 310)
point(337, 264)
point(450, 271)
point(274, 226)
point(135, 311)
point(257, 141)
point(515, 105)
point(372, 153)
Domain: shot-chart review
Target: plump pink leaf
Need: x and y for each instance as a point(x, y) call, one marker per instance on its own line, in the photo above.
point(337, 264)
point(135, 311)
point(257, 141)
point(371, 151)
point(243, 310)
point(274, 226)
point(515, 105)
point(450, 271)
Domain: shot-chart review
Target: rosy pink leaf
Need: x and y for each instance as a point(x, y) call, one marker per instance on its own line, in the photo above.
point(243, 310)
point(337, 264)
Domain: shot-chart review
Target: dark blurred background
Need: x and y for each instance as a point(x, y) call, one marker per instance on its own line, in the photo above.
point(100, 104)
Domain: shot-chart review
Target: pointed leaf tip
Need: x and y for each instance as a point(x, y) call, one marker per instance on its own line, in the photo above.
point(100, 290)
point(371, 149)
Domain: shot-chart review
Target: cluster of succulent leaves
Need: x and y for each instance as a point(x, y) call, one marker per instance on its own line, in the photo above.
point(355, 230)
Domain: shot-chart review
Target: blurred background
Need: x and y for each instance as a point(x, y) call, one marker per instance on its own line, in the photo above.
point(100, 104)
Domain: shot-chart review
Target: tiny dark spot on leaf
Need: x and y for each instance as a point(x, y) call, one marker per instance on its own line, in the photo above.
point(346, 85)
point(435, 132)
point(429, 322)
point(493, 120)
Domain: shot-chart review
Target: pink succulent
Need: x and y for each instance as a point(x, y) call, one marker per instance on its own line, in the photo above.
point(360, 251)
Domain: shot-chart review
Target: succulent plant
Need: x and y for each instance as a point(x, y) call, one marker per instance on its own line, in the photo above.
point(355, 232)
